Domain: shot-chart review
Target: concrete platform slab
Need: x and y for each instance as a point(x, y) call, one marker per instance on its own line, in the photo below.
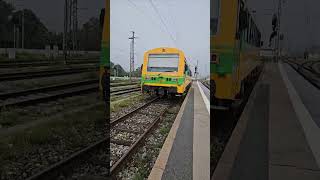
point(187, 155)
point(269, 146)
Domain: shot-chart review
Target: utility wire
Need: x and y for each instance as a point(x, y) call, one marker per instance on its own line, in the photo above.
point(162, 21)
point(146, 15)
point(171, 19)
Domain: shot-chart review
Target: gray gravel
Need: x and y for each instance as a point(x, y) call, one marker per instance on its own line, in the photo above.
point(14, 116)
point(96, 166)
point(127, 109)
point(34, 158)
point(146, 156)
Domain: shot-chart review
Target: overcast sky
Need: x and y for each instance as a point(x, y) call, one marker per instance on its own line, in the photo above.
point(298, 34)
point(187, 21)
point(186, 27)
point(51, 12)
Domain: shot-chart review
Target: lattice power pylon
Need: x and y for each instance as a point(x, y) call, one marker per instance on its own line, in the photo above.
point(70, 39)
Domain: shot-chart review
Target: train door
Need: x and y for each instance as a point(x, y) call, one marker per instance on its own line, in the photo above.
point(236, 54)
point(241, 25)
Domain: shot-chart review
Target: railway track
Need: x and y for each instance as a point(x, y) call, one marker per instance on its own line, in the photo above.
point(67, 167)
point(95, 155)
point(44, 94)
point(123, 84)
point(119, 92)
point(206, 84)
point(44, 73)
point(310, 66)
point(307, 70)
point(42, 63)
point(128, 132)
point(49, 93)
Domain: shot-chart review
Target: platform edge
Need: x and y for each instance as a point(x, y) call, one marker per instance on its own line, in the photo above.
point(160, 164)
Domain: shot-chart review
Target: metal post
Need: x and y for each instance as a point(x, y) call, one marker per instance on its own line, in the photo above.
point(69, 26)
point(22, 33)
point(65, 30)
point(14, 35)
point(74, 23)
point(17, 37)
point(132, 54)
point(279, 30)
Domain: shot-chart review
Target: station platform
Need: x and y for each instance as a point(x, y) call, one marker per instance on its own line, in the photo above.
point(186, 151)
point(278, 134)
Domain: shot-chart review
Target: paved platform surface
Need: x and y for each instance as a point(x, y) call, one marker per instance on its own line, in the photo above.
point(277, 136)
point(185, 154)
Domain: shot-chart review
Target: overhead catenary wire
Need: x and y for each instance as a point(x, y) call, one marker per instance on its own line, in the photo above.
point(162, 21)
point(163, 28)
point(146, 15)
point(171, 19)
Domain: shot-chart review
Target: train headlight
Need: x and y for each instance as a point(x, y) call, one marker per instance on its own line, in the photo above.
point(174, 79)
point(147, 78)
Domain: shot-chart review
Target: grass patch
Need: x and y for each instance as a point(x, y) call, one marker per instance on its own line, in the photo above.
point(116, 105)
point(143, 169)
point(164, 130)
point(13, 116)
point(10, 117)
point(20, 85)
point(144, 160)
point(116, 98)
point(28, 57)
point(2, 58)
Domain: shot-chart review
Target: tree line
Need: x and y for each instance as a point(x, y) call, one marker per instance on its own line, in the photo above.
point(36, 34)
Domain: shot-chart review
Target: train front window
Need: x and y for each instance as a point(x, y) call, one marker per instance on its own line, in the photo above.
point(215, 17)
point(163, 63)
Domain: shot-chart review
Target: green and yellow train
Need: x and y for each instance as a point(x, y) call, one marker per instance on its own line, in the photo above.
point(165, 71)
point(105, 51)
point(235, 43)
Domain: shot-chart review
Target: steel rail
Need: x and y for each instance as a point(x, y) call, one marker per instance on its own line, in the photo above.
point(123, 117)
point(297, 68)
point(44, 73)
point(133, 147)
point(44, 63)
point(15, 94)
point(66, 165)
point(49, 97)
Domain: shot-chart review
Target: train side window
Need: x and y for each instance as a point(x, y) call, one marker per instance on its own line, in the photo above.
point(102, 14)
point(215, 17)
point(185, 69)
point(243, 20)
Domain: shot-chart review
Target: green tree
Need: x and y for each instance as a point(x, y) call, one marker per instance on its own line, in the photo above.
point(36, 33)
point(120, 71)
point(5, 24)
point(90, 35)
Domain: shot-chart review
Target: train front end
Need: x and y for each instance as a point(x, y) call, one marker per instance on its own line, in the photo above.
point(164, 72)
